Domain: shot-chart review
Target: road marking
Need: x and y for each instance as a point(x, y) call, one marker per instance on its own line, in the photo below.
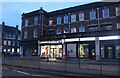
point(21, 72)
point(36, 75)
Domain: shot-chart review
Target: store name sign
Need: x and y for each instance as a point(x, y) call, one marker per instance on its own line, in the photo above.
point(44, 42)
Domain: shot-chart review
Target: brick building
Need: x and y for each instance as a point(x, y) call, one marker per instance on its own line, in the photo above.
point(0, 39)
point(90, 31)
point(10, 38)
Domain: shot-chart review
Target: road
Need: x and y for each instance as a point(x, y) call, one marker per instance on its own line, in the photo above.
point(12, 73)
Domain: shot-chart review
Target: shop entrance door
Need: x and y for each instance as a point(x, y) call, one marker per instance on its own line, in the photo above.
point(109, 52)
point(53, 53)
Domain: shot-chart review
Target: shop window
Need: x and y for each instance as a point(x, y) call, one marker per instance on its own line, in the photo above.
point(117, 50)
point(65, 19)
point(66, 30)
point(81, 17)
point(58, 20)
point(73, 30)
point(81, 29)
point(118, 11)
point(84, 51)
point(73, 18)
point(26, 22)
point(51, 51)
point(105, 12)
point(58, 31)
point(35, 20)
point(12, 49)
point(118, 25)
point(92, 15)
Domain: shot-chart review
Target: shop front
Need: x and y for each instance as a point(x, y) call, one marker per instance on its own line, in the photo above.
point(87, 50)
point(110, 50)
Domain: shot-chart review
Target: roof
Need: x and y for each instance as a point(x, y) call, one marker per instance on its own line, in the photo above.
point(10, 29)
point(71, 9)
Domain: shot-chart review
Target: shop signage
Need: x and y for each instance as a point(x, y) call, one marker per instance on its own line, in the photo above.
point(44, 42)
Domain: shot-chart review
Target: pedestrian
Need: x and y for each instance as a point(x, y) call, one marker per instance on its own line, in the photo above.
point(67, 56)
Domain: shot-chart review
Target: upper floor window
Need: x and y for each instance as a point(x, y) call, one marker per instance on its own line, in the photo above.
point(65, 19)
point(58, 31)
point(73, 18)
point(73, 30)
point(5, 42)
point(66, 30)
point(35, 33)
point(26, 22)
point(118, 11)
point(50, 22)
point(9, 42)
point(35, 20)
point(105, 13)
point(13, 43)
point(118, 25)
point(5, 35)
point(81, 29)
point(25, 34)
point(92, 15)
point(81, 17)
point(13, 36)
point(58, 20)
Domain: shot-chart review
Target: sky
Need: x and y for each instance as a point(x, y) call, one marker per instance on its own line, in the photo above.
point(11, 11)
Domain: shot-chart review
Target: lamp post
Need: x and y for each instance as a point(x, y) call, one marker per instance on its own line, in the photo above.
point(69, 21)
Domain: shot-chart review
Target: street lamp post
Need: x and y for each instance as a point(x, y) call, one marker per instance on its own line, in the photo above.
point(69, 22)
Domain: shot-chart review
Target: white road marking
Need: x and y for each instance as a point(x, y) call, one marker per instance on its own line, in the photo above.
point(36, 75)
point(21, 72)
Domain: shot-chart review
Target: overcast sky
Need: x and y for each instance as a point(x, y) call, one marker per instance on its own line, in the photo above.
point(11, 11)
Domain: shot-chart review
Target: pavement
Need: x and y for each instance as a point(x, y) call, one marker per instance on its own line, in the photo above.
point(64, 68)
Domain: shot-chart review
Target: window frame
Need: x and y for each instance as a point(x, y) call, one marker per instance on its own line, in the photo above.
point(66, 19)
point(59, 20)
point(73, 18)
point(26, 22)
point(35, 33)
point(103, 12)
point(81, 15)
point(92, 15)
point(36, 21)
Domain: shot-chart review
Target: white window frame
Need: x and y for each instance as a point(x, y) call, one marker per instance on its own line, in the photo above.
point(92, 15)
point(81, 16)
point(66, 19)
point(73, 18)
point(57, 32)
point(73, 30)
point(104, 14)
point(26, 22)
point(118, 11)
point(81, 29)
point(35, 33)
point(35, 20)
point(25, 34)
point(59, 20)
